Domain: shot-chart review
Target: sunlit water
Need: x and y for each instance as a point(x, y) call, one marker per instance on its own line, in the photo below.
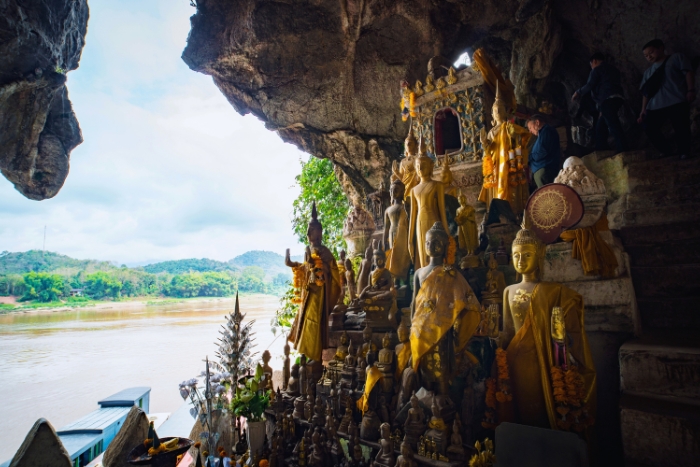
point(57, 365)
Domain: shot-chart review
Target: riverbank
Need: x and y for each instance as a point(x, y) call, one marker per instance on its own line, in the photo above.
point(9, 305)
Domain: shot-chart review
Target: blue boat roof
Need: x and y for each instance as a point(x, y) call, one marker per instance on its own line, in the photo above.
point(126, 397)
point(95, 421)
point(76, 443)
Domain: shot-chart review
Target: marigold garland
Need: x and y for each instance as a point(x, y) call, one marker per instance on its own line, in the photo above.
point(297, 282)
point(569, 392)
point(317, 268)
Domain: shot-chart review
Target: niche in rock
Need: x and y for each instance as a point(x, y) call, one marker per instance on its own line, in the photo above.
point(447, 136)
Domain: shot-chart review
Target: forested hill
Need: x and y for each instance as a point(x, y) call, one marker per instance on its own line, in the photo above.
point(40, 261)
point(188, 265)
point(272, 263)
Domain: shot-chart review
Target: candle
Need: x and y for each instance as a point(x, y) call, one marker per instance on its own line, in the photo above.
point(511, 155)
point(518, 151)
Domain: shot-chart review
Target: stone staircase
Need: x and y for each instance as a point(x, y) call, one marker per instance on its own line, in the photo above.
point(655, 205)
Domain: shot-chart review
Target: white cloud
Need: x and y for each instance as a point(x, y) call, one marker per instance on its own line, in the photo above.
point(168, 169)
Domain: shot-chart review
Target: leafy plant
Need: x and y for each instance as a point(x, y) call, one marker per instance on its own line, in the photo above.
point(250, 401)
point(284, 316)
point(318, 183)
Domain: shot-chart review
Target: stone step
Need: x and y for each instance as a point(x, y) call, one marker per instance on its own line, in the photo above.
point(663, 367)
point(665, 254)
point(663, 233)
point(664, 196)
point(669, 313)
point(666, 281)
point(660, 433)
point(661, 215)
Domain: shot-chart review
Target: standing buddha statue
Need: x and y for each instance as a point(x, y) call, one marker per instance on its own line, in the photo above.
point(396, 233)
point(320, 287)
point(406, 171)
point(538, 317)
point(465, 218)
point(402, 350)
point(350, 280)
point(505, 156)
point(427, 208)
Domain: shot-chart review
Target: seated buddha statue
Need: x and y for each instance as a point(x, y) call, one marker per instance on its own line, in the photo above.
point(293, 383)
point(415, 425)
point(385, 363)
point(456, 452)
point(385, 457)
point(505, 156)
point(527, 336)
point(379, 295)
point(406, 457)
point(342, 350)
point(445, 314)
point(437, 429)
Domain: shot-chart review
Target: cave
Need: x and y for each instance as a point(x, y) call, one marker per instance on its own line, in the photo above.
point(325, 76)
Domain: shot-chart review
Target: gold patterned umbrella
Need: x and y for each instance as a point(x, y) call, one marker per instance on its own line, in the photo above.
point(552, 209)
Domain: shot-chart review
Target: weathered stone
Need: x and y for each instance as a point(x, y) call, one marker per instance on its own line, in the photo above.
point(560, 266)
point(41, 448)
point(38, 129)
point(521, 446)
point(132, 433)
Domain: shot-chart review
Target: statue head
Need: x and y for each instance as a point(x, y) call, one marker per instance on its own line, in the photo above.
point(528, 251)
point(436, 241)
point(397, 190)
point(558, 326)
point(424, 167)
point(379, 257)
point(499, 110)
point(367, 334)
point(315, 231)
point(403, 332)
point(385, 430)
point(411, 144)
point(462, 200)
point(369, 251)
point(351, 350)
point(348, 265)
point(302, 360)
point(344, 338)
point(414, 400)
point(266, 357)
point(342, 256)
point(386, 340)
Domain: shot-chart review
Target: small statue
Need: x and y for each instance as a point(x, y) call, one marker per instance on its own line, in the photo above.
point(384, 410)
point(502, 254)
point(286, 371)
point(495, 280)
point(406, 171)
point(429, 84)
point(385, 457)
point(342, 350)
point(386, 365)
point(456, 451)
point(303, 375)
point(465, 218)
point(361, 372)
point(380, 289)
point(365, 268)
point(293, 383)
point(559, 337)
point(350, 280)
point(367, 343)
point(319, 416)
point(402, 350)
point(409, 384)
point(319, 293)
point(414, 426)
point(317, 457)
point(350, 360)
point(309, 407)
point(267, 370)
point(451, 76)
point(406, 459)
point(346, 420)
point(396, 234)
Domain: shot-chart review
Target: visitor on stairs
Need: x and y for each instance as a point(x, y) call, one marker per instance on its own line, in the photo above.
point(668, 88)
point(545, 157)
point(606, 91)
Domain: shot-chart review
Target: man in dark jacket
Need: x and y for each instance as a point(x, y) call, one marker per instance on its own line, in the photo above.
point(545, 157)
point(606, 91)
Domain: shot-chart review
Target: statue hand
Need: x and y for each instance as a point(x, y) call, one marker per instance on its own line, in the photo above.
point(484, 139)
point(288, 261)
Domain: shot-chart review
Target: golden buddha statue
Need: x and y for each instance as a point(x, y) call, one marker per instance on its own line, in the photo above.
point(534, 312)
point(342, 350)
point(367, 343)
point(445, 314)
point(396, 233)
point(427, 207)
point(380, 289)
point(319, 293)
point(402, 350)
point(406, 170)
point(448, 179)
point(465, 218)
point(505, 157)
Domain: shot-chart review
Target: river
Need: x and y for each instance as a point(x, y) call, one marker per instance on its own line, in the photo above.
point(57, 365)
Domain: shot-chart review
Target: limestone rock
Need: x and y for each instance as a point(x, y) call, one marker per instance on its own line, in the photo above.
point(41, 448)
point(133, 432)
point(576, 175)
point(41, 42)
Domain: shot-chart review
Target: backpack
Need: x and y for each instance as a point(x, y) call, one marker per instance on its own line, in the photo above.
point(653, 84)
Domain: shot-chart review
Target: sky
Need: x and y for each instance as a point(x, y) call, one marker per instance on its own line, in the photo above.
point(168, 170)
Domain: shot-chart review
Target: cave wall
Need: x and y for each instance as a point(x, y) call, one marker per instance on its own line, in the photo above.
point(325, 74)
point(40, 41)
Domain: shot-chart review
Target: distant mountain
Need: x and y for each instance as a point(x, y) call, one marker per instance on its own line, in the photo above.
point(40, 261)
point(181, 266)
point(272, 263)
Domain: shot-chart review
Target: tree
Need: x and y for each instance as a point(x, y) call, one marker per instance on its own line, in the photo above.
point(101, 284)
point(318, 183)
point(43, 287)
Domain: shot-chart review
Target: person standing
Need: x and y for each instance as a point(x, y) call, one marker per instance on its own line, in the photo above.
point(545, 157)
point(668, 88)
point(605, 89)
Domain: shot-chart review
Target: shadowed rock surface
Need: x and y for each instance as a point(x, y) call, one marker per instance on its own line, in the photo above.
point(132, 433)
point(40, 41)
point(325, 74)
point(41, 448)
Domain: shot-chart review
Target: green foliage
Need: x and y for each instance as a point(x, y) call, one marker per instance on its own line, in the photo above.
point(250, 401)
point(182, 266)
point(43, 287)
point(40, 261)
point(318, 183)
point(101, 284)
point(284, 316)
point(12, 284)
